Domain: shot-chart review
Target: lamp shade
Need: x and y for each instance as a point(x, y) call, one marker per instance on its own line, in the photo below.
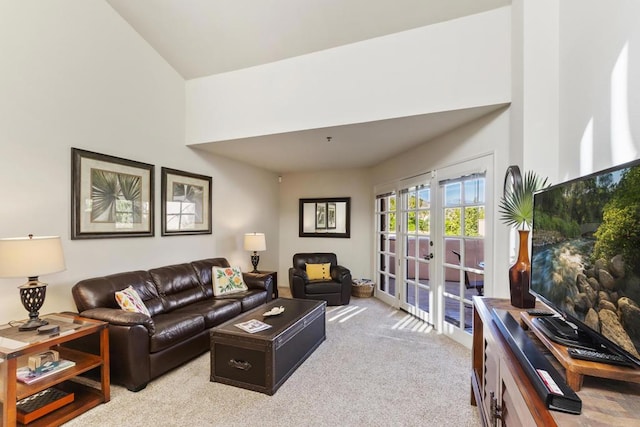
point(31, 256)
point(255, 242)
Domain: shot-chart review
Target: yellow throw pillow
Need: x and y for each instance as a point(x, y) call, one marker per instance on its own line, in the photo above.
point(319, 271)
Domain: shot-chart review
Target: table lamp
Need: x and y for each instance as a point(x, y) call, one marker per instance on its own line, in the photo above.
point(31, 257)
point(254, 242)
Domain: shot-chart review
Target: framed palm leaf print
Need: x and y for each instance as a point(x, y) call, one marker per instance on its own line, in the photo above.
point(186, 203)
point(110, 196)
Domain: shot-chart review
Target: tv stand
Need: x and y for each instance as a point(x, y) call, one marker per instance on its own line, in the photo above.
point(505, 396)
point(577, 369)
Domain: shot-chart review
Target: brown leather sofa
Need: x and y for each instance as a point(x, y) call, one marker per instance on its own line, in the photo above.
point(183, 310)
point(335, 291)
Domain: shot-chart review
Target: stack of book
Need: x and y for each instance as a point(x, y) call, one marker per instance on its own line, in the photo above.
point(41, 366)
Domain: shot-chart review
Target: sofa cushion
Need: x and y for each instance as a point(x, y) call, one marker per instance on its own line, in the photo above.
point(214, 311)
point(249, 299)
point(99, 292)
point(178, 285)
point(173, 328)
point(129, 300)
point(227, 280)
point(320, 287)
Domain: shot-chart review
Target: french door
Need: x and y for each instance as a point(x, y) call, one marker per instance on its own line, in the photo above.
point(405, 247)
point(432, 244)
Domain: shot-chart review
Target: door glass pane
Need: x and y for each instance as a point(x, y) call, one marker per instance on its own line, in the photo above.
point(410, 294)
point(452, 194)
point(452, 281)
point(452, 310)
point(474, 191)
point(424, 198)
point(474, 221)
point(423, 273)
point(423, 299)
point(452, 222)
point(468, 317)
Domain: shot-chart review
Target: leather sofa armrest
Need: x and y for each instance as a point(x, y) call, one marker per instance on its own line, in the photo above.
point(297, 281)
point(258, 281)
point(340, 274)
point(116, 316)
point(298, 273)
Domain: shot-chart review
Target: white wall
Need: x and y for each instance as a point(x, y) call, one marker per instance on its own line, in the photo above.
point(354, 252)
point(74, 74)
point(535, 86)
point(456, 64)
point(598, 75)
point(599, 85)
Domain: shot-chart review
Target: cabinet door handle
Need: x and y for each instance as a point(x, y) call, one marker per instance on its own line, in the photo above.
point(240, 364)
point(496, 410)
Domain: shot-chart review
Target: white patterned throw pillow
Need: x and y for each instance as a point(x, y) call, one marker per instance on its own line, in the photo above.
point(129, 300)
point(227, 280)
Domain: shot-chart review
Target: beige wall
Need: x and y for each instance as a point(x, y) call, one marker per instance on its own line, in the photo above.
point(75, 74)
point(354, 252)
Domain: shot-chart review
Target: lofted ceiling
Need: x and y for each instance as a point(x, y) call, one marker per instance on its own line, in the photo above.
point(204, 37)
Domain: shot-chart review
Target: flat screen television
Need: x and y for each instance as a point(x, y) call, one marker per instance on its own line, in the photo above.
point(585, 257)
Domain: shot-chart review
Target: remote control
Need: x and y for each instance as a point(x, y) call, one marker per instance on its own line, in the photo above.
point(598, 356)
point(536, 312)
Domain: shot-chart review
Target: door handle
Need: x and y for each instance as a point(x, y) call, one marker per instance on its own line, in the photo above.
point(430, 256)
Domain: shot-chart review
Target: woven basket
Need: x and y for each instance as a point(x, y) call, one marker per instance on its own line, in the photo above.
point(364, 290)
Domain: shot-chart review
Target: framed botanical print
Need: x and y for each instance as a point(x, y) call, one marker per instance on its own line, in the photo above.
point(186, 203)
point(321, 216)
point(110, 196)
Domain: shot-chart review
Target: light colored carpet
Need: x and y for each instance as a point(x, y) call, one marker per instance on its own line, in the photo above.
point(378, 367)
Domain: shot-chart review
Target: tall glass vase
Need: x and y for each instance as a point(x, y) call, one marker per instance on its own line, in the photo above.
point(520, 275)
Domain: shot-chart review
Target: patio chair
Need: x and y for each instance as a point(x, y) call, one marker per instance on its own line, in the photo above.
point(478, 285)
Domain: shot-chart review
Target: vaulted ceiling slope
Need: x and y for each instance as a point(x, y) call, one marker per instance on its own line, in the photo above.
point(204, 37)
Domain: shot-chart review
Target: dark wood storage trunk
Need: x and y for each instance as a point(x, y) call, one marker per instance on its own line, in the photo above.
point(262, 361)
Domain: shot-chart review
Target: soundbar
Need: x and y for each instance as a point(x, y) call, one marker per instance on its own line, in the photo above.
point(549, 384)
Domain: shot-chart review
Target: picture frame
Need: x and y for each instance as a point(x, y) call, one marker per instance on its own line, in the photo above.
point(321, 216)
point(325, 217)
point(185, 203)
point(331, 216)
point(111, 197)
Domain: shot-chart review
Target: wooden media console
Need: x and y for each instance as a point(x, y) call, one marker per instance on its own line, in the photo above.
point(505, 395)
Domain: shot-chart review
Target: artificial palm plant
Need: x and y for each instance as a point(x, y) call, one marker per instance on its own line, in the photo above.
point(516, 205)
point(516, 209)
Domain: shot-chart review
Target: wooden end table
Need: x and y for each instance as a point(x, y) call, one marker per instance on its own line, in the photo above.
point(16, 347)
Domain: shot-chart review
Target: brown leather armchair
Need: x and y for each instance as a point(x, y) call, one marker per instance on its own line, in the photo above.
point(335, 291)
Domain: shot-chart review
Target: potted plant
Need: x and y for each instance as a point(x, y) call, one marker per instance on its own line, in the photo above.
point(516, 209)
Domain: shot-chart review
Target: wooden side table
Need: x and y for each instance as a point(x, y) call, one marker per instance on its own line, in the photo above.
point(16, 347)
point(274, 278)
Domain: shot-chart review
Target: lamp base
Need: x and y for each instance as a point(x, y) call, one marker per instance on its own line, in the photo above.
point(255, 258)
point(32, 295)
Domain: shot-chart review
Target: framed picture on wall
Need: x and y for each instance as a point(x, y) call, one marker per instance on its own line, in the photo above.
point(326, 217)
point(321, 216)
point(331, 216)
point(110, 196)
point(186, 203)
